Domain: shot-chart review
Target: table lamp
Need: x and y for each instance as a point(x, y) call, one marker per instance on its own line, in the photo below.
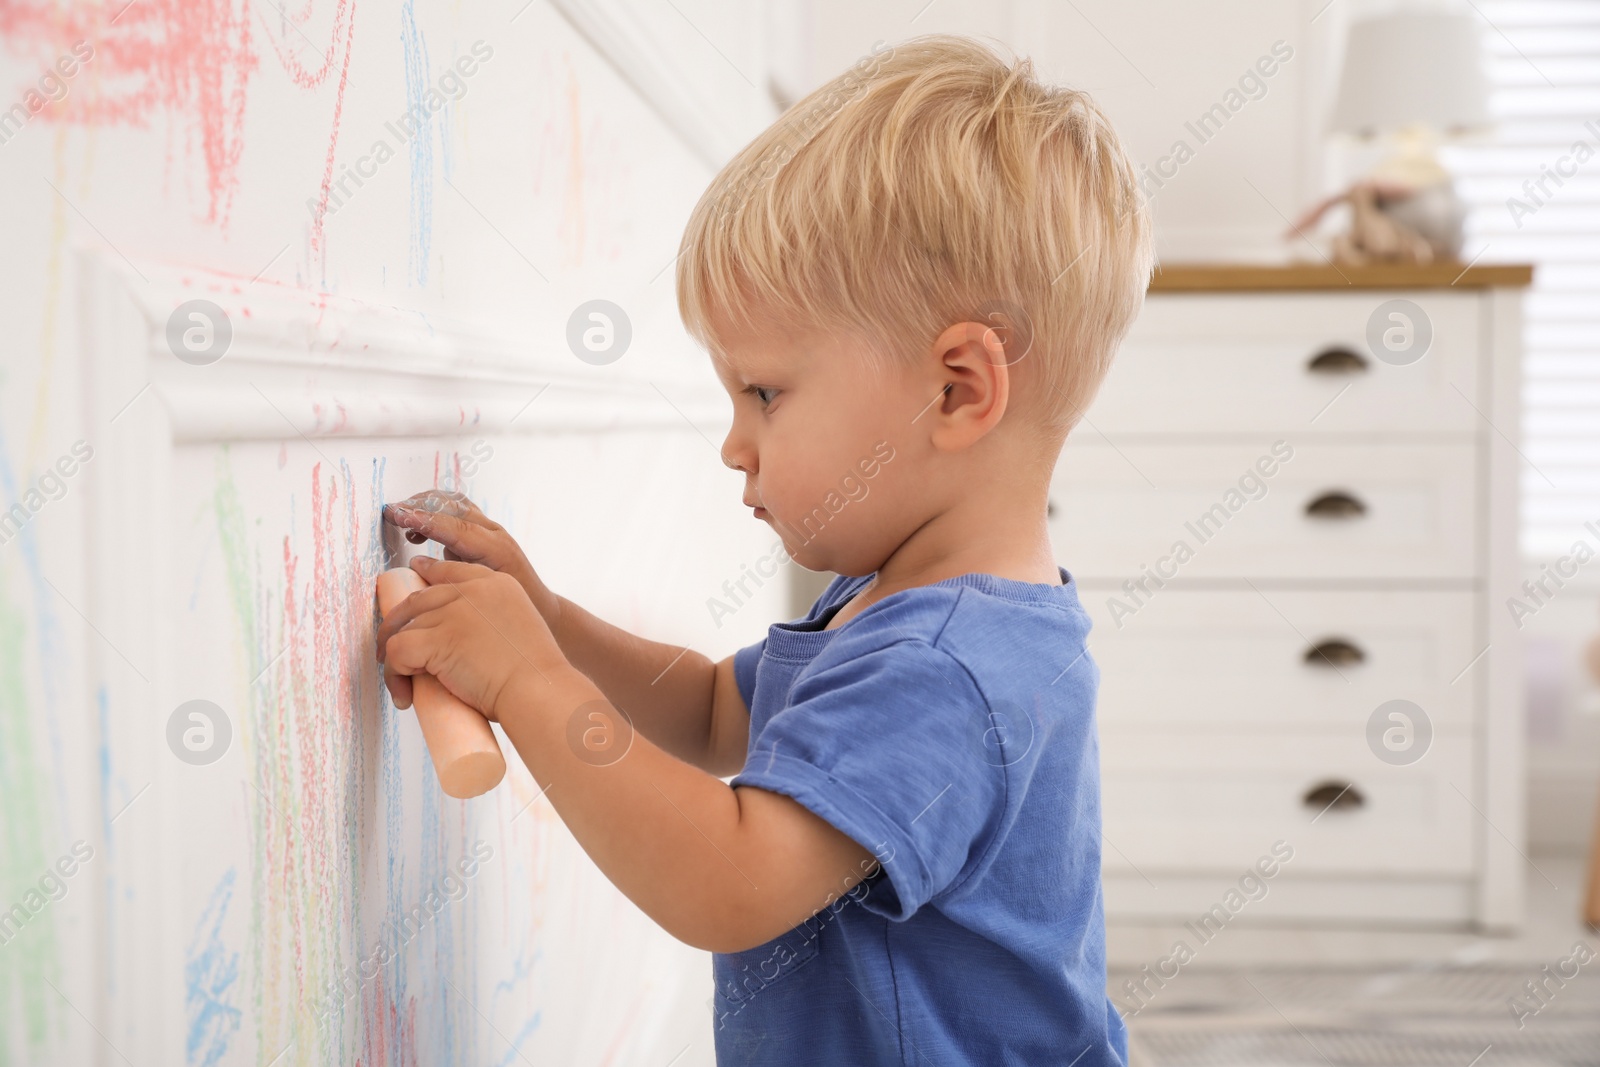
point(1415, 79)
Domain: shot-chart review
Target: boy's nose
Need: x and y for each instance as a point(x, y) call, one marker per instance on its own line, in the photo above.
point(733, 456)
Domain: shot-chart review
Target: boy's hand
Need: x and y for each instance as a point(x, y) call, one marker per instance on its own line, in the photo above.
point(474, 629)
point(470, 536)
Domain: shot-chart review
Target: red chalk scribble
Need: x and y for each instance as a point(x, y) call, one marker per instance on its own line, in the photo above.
point(335, 54)
point(389, 1028)
point(189, 57)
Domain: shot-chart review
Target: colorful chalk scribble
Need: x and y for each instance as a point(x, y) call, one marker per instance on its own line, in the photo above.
point(342, 826)
point(327, 796)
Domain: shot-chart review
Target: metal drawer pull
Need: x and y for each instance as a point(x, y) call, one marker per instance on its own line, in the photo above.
point(1336, 504)
point(1333, 361)
point(1335, 653)
point(1336, 795)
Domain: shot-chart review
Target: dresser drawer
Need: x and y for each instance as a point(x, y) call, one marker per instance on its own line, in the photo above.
point(1239, 659)
point(1196, 363)
point(1216, 800)
point(1331, 510)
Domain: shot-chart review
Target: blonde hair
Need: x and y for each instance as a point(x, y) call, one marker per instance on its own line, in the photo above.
point(931, 184)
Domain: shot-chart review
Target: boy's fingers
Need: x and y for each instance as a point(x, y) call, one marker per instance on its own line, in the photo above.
point(448, 572)
point(407, 655)
point(456, 505)
point(450, 500)
point(447, 502)
point(419, 603)
point(461, 537)
point(399, 688)
point(446, 529)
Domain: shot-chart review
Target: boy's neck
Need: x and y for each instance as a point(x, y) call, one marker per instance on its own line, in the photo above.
point(1011, 543)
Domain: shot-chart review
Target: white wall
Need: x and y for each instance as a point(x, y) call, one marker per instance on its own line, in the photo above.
point(1153, 67)
point(195, 135)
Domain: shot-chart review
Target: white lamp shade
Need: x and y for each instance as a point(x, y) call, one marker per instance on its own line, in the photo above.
point(1412, 68)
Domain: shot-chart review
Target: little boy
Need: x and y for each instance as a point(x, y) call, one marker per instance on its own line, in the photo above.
point(911, 286)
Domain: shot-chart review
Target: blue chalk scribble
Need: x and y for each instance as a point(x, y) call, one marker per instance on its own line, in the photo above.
point(209, 972)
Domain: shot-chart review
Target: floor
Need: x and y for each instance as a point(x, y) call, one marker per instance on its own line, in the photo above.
point(1282, 996)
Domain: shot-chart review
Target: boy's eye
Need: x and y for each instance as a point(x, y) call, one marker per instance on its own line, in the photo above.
point(764, 393)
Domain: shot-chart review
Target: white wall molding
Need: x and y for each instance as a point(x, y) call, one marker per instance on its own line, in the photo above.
point(306, 364)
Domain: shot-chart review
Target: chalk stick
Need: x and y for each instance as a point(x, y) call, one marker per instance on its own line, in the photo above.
point(465, 754)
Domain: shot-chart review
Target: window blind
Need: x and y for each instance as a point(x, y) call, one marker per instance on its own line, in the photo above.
point(1533, 191)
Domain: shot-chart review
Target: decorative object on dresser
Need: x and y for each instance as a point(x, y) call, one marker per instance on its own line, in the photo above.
point(1413, 79)
point(1292, 512)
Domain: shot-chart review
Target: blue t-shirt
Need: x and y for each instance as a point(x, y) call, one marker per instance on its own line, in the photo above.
point(949, 730)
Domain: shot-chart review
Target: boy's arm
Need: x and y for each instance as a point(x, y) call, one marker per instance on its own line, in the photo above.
point(720, 868)
point(678, 698)
point(723, 869)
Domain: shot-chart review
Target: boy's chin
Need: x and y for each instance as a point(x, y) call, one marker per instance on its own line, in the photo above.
point(815, 557)
point(806, 555)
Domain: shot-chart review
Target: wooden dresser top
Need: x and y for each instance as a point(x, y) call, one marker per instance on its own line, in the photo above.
point(1247, 277)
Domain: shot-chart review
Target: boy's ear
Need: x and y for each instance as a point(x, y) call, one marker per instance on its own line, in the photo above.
point(970, 366)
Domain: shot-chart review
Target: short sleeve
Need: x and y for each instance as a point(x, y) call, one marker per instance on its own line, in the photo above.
point(745, 662)
point(747, 659)
point(889, 747)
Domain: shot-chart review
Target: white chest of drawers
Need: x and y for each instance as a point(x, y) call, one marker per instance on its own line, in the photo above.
point(1278, 532)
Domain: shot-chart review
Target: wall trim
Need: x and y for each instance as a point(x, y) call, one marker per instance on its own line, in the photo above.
point(308, 364)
